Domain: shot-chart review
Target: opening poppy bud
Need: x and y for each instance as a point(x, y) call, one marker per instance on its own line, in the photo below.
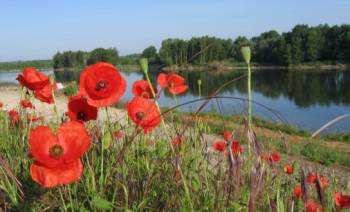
point(144, 65)
point(140, 115)
point(56, 151)
point(245, 50)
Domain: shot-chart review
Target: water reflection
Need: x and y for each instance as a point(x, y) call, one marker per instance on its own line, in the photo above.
point(305, 89)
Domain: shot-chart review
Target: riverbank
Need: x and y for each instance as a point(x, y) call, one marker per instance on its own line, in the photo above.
point(222, 66)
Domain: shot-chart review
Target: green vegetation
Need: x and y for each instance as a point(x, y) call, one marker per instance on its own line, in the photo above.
point(18, 65)
point(76, 60)
point(303, 44)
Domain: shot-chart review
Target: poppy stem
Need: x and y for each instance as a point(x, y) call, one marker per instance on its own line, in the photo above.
point(61, 195)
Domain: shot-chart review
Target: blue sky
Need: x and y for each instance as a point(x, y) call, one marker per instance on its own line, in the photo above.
point(37, 29)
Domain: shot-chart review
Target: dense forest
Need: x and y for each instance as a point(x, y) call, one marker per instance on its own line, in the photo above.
point(303, 44)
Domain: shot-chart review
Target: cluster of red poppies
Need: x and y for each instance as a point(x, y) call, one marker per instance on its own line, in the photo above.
point(340, 201)
point(57, 155)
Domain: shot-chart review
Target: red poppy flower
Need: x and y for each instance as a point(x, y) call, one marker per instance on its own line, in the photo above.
point(141, 88)
point(118, 134)
point(174, 83)
point(227, 135)
point(341, 201)
point(219, 146)
point(176, 142)
point(80, 110)
point(236, 148)
point(45, 94)
point(1, 104)
point(14, 117)
point(324, 181)
point(32, 79)
point(311, 178)
point(144, 113)
point(275, 157)
point(102, 84)
point(311, 206)
point(26, 104)
point(288, 169)
point(50, 150)
point(32, 118)
point(62, 174)
point(297, 191)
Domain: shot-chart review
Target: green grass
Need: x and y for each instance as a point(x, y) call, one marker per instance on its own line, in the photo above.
point(146, 178)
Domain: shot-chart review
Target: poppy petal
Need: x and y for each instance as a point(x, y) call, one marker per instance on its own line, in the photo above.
point(74, 139)
point(162, 80)
point(178, 89)
point(63, 174)
point(41, 139)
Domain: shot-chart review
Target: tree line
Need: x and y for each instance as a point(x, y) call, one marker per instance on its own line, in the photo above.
point(302, 44)
point(23, 64)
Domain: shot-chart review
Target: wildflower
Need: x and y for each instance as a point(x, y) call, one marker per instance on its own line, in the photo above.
point(324, 181)
point(312, 179)
point(236, 148)
point(80, 110)
point(14, 117)
point(32, 79)
point(341, 201)
point(297, 191)
point(102, 84)
point(227, 135)
point(1, 104)
point(173, 82)
point(275, 157)
point(176, 142)
point(219, 146)
point(45, 94)
point(311, 206)
point(288, 169)
point(141, 88)
point(118, 134)
point(26, 104)
point(57, 157)
point(32, 118)
point(143, 113)
point(39, 83)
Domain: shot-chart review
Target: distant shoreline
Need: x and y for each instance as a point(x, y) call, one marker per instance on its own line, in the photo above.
point(213, 67)
point(222, 67)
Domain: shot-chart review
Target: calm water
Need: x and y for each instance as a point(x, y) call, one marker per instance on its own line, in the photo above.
point(304, 99)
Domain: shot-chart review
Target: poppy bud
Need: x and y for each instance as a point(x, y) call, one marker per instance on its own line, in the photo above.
point(144, 65)
point(245, 50)
point(52, 79)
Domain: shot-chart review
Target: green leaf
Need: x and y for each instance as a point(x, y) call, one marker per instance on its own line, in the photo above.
point(101, 203)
